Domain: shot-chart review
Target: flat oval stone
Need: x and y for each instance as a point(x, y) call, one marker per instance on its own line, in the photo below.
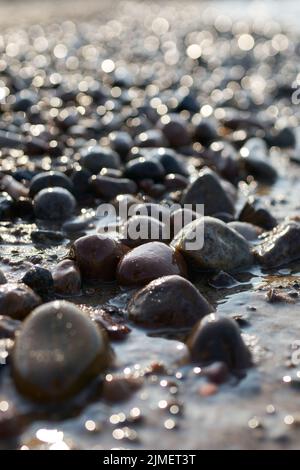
point(66, 278)
point(211, 245)
point(182, 217)
point(208, 190)
point(97, 256)
point(49, 179)
point(169, 301)
point(17, 300)
point(148, 262)
point(218, 339)
point(281, 246)
point(58, 351)
point(108, 188)
point(95, 158)
point(54, 204)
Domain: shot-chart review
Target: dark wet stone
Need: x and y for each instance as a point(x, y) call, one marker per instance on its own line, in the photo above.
point(58, 351)
point(175, 182)
point(80, 179)
point(260, 169)
point(121, 142)
point(205, 132)
point(141, 168)
point(170, 161)
point(175, 130)
point(23, 208)
point(97, 256)
point(284, 138)
point(3, 279)
point(180, 218)
point(54, 204)
point(148, 262)
point(169, 301)
point(281, 246)
point(35, 146)
point(80, 223)
point(47, 236)
point(49, 179)
point(108, 188)
point(188, 102)
point(210, 244)
point(6, 207)
point(40, 280)
point(66, 278)
point(208, 190)
point(8, 327)
point(17, 300)
point(95, 158)
point(249, 231)
point(218, 339)
point(222, 280)
point(143, 229)
point(256, 213)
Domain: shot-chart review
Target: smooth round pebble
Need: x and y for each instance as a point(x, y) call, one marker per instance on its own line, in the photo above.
point(218, 339)
point(148, 262)
point(67, 278)
point(97, 256)
point(58, 351)
point(17, 300)
point(54, 204)
point(49, 179)
point(169, 301)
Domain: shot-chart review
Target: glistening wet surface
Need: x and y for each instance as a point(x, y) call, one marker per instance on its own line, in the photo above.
point(166, 402)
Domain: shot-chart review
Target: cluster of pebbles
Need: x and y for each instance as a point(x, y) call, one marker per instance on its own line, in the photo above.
point(153, 112)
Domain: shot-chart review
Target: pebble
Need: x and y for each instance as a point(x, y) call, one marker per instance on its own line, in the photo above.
point(170, 161)
point(208, 190)
point(54, 204)
point(58, 351)
point(49, 179)
point(218, 339)
point(175, 182)
point(254, 212)
point(205, 132)
point(148, 262)
point(281, 246)
point(249, 231)
point(222, 248)
point(169, 301)
point(142, 168)
point(95, 158)
point(121, 142)
point(66, 278)
point(39, 280)
point(175, 130)
point(108, 188)
point(97, 256)
point(17, 300)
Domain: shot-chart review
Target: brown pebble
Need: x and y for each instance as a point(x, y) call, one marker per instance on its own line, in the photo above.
point(97, 256)
point(148, 262)
point(67, 278)
point(17, 300)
